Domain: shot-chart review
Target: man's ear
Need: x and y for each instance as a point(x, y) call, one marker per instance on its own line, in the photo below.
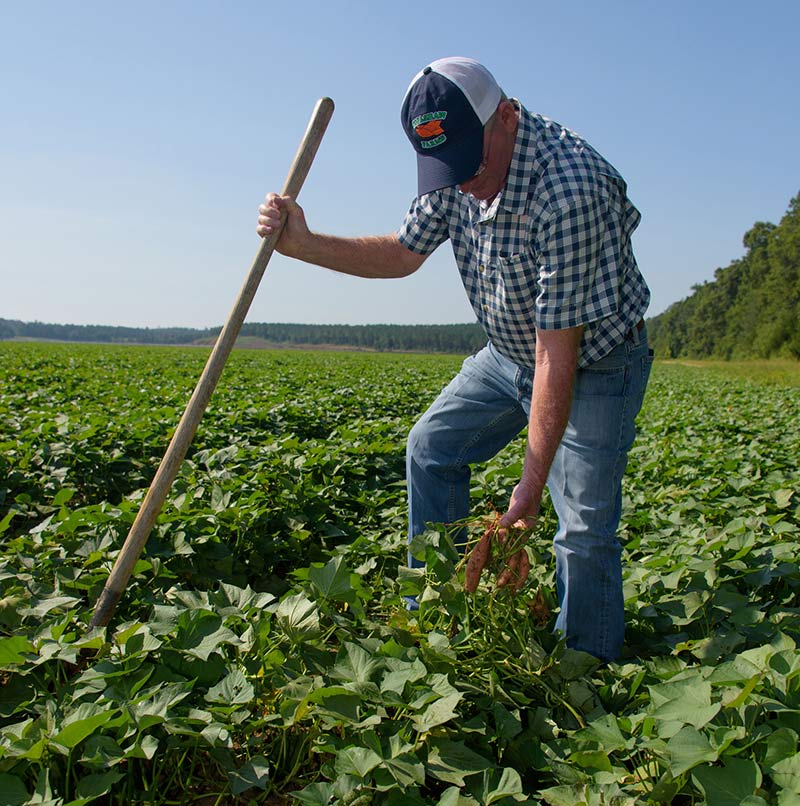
point(508, 115)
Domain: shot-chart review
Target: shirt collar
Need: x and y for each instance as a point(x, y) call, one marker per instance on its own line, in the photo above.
point(522, 171)
point(524, 166)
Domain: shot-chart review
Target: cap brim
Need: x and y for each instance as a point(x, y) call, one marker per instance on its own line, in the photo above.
point(451, 166)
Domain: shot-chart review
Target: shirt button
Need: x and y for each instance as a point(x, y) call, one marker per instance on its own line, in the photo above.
point(485, 307)
point(481, 268)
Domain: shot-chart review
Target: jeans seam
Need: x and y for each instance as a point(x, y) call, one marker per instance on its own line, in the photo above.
point(618, 473)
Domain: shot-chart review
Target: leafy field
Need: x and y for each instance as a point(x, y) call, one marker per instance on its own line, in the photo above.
point(262, 652)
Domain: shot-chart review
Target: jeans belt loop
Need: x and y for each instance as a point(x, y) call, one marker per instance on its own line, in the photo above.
point(633, 333)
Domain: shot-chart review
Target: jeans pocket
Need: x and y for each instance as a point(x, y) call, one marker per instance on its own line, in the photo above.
point(606, 377)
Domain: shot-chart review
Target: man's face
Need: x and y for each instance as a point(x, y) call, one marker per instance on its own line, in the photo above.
point(498, 148)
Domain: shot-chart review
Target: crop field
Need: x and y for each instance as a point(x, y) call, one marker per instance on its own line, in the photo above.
point(262, 652)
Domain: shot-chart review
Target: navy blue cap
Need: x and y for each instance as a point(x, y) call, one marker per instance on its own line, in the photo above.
point(444, 112)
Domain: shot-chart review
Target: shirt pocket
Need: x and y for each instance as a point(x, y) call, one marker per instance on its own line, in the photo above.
point(517, 283)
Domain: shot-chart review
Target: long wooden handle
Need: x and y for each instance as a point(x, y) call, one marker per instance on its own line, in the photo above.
point(176, 452)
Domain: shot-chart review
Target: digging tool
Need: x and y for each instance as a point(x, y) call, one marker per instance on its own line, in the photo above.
point(176, 452)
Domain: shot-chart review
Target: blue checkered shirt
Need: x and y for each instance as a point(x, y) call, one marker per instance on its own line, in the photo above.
point(552, 250)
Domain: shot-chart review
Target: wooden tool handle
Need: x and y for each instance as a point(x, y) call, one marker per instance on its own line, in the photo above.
point(184, 433)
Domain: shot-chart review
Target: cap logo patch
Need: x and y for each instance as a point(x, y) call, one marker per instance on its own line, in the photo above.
point(429, 128)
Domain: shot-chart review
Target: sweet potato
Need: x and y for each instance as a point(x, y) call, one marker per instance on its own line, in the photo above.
point(478, 558)
point(515, 574)
point(517, 564)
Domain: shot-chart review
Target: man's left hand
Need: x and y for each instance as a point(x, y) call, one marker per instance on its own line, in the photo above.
point(523, 508)
point(520, 517)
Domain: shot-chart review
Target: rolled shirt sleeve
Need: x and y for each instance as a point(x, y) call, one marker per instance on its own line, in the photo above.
point(425, 225)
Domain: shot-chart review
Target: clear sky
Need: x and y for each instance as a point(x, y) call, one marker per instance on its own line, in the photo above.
point(137, 140)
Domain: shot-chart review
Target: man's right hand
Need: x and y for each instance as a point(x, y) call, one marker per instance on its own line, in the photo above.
point(378, 256)
point(277, 209)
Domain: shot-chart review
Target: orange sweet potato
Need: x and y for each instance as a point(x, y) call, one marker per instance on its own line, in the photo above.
point(478, 558)
point(517, 563)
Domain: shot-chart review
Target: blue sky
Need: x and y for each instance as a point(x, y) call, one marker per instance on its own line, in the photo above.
point(137, 140)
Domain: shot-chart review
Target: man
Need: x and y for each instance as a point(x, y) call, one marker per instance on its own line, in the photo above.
point(540, 226)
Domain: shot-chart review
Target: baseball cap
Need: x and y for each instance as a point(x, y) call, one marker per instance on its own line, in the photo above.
point(444, 111)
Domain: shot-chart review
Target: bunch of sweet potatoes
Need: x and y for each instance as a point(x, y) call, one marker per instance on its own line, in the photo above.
point(507, 546)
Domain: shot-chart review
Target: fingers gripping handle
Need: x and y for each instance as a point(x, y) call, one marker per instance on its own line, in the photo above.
point(298, 172)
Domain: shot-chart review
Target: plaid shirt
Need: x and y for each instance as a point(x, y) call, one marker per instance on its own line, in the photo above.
point(552, 250)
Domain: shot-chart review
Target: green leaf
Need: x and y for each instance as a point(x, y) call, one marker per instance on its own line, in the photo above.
point(574, 664)
point(737, 670)
point(317, 794)
point(219, 499)
point(154, 704)
point(62, 496)
point(688, 748)
point(587, 794)
point(44, 606)
point(404, 770)
point(723, 737)
point(234, 689)
point(14, 791)
point(452, 797)
point(605, 730)
point(728, 785)
point(565, 795)
point(298, 616)
point(83, 722)
point(591, 760)
point(358, 761)
point(452, 761)
point(355, 665)
point(781, 744)
point(400, 672)
point(101, 751)
point(687, 701)
point(17, 692)
point(253, 774)
point(499, 784)
point(332, 580)
point(97, 784)
point(411, 580)
point(716, 646)
point(11, 650)
point(508, 724)
point(202, 633)
point(437, 713)
point(786, 773)
point(6, 521)
point(341, 707)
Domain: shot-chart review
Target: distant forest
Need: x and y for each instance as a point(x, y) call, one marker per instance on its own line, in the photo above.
point(461, 339)
point(752, 307)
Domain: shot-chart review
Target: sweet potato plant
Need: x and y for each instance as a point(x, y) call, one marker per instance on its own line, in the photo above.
point(263, 652)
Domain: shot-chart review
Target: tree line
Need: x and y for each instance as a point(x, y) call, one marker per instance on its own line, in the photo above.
point(457, 338)
point(752, 307)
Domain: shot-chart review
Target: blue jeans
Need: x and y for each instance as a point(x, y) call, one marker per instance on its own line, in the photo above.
point(481, 410)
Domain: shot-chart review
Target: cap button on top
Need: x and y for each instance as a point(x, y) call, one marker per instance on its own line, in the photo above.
point(426, 70)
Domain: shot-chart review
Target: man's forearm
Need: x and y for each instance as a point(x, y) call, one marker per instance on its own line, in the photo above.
point(381, 256)
point(550, 407)
point(550, 404)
